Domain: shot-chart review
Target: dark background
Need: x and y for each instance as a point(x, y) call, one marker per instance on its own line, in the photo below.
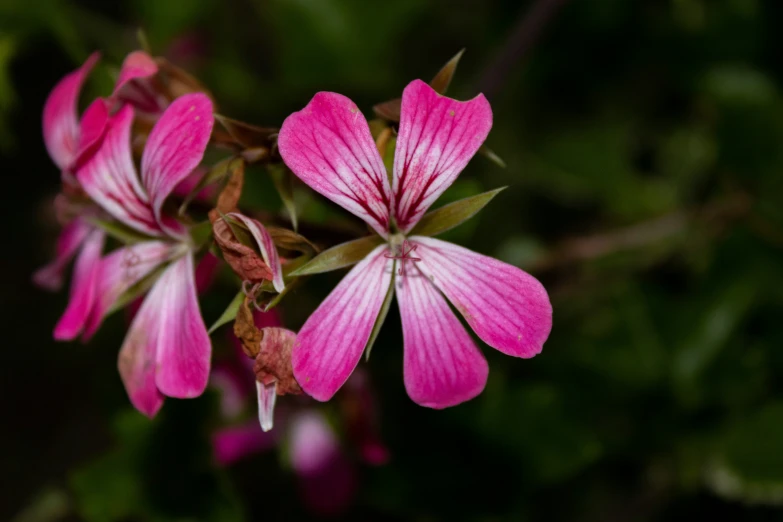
point(644, 150)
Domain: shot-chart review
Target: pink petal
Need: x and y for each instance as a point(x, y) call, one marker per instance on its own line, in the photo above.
point(109, 177)
point(437, 138)
point(60, 120)
point(50, 277)
point(508, 308)
point(92, 129)
point(266, 246)
point(233, 444)
point(184, 349)
point(82, 288)
point(119, 271)
point(134, 85)
point(138, 353)
point(329, 146)
point(330, 343)
point(443, 367)
point(136, 65)
point(174, 148)
point(267, 395)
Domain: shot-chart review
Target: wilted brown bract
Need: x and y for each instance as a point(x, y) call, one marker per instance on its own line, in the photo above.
point(246, 331)
point(242, 259)
point(273, 362)
point(228, 199)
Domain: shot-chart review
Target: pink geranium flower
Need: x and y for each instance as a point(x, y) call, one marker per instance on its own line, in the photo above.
point(167, 350)
point(329, 146)
point(68, 141)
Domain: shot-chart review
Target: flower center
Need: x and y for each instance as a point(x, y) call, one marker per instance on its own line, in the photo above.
point(403, 253)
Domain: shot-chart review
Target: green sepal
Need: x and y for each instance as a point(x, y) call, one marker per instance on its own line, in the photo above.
point(283, 180)
point(120, 232)
point(454, 214)
point(137, 290)
point(340, 256)
point(442, 80)
point(491, 156)
point(201, 233)
point(230, 313)
point(376, 328)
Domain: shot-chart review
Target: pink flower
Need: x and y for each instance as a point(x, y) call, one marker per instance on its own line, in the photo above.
point(329, 146)
point(167, 350)
point(68, 141)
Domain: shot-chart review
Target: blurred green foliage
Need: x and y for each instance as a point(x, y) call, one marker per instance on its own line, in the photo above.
point(644, 150)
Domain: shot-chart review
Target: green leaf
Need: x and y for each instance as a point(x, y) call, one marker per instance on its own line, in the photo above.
point(230, 313)
point(442, 80)
point(283, 179)
point(454, 214)
point(376, 328)
point(120, 232)
point(201, 233)
point(340, 256)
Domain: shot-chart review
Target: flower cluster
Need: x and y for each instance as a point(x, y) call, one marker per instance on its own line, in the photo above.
point(144, 215)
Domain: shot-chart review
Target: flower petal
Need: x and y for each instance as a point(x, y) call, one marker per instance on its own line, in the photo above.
point(267, 395)
point(92, 128)
point(442, 367)
point(138, 353)
point(331, 342)
point(130, 86)
point(60, 121)
point(109, 177)
point(266, 246)
point(437, 138)
point(507, 307)
point(119, 271)
point(174, 148)
point(184, 348)
point(329, 146)
point(82, 288)
point(50, 277)
point(137, 65)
